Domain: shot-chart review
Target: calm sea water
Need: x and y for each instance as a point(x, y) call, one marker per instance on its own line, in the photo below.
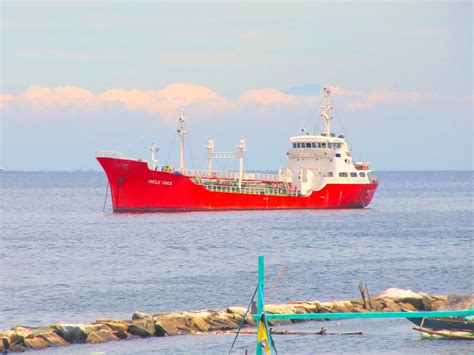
point(63, 259)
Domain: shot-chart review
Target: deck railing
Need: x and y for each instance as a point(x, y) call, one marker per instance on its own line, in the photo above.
point(111, 154)
point(373, 179)
point(230, 175)
point(250, 190)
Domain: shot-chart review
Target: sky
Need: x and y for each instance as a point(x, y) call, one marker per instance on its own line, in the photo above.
point(77, 77)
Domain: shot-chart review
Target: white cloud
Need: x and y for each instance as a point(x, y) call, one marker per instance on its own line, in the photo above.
point(197, 98)
point(4, 99)
point(170, 100)
point(267, 97)
point(43, 97)
point(367, 101)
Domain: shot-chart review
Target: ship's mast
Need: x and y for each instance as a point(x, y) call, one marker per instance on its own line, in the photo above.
point(326, 108)
point(240, 153)
point(182, 133)
point(210, 153)
point(154, 161)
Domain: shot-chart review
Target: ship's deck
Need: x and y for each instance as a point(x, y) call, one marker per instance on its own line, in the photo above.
point(254, 187)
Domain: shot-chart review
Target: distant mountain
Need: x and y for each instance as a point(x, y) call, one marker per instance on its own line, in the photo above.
point(304, 90)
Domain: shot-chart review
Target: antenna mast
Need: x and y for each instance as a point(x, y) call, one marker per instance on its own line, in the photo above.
point(182, 133)
point(326, 109)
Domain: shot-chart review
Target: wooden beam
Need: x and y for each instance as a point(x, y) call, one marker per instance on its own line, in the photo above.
point(366, 315)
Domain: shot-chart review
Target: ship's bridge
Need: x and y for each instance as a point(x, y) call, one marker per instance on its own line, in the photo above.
point(316, 145)
point(315, 160)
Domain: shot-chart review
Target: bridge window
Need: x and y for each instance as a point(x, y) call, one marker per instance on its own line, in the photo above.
point(343, 175)
point(313, 145)
point(329, 145)
point(323, 145)
point(362, 174)
point(338, 155)
point(353, 174)
point(294, 145)
point(308, 145)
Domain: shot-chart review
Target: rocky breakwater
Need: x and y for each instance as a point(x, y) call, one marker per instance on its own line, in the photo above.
point(21, 338)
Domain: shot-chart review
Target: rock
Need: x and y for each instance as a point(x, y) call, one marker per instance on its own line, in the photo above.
point(236, 310)
point(142, 327)
point(140, 315)
point(106, 319)
point(16, 338)
point(174, 323)
point(77, 333)
point(249, 320)
point(21, 331)
point(389, 305)
point(437, 305)
point(4, 344)
point(238, 318)
point(342, 306)
point(164, 328)
point(397, 294)
point(358, 303)
point(406, 296)
point(72, 333)
point(165, 324)
point(199, 324)
point(427, 301)
point(377, 304)
point(54, 339)
point(407, 306)
point(237, 313)
point(119, 328)
point(358, 306)
point(280, 309)
point(16, 348)
point(100, 336)
point(440, 297)
point(220, 321)
point(307, 307)
point(48, 334)
point(457, 302)
point(35, 343)
point(417, 303)
point(338, 307)
point(33, 331)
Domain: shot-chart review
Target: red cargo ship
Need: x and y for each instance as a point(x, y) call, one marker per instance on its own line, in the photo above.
point(320, 174)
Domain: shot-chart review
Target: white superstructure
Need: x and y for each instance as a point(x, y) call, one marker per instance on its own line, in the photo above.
point(315, 160)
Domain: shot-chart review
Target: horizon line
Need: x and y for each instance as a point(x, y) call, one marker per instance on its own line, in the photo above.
point(250, 170)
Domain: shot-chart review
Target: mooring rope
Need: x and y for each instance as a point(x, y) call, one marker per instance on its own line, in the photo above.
point(277, 279)
point(106, 192)
point(243, 320)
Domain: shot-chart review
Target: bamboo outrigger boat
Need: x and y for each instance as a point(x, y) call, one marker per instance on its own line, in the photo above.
point(452, 324)
point(461, 328)
point(445, 334)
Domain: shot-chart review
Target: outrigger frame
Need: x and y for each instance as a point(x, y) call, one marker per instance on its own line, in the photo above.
point(349, 315)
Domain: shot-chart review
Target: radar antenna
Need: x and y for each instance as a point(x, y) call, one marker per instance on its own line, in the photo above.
point(326, 108)
point(182, 133)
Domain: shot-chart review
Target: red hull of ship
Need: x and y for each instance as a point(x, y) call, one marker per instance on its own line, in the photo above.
point(136, 188)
